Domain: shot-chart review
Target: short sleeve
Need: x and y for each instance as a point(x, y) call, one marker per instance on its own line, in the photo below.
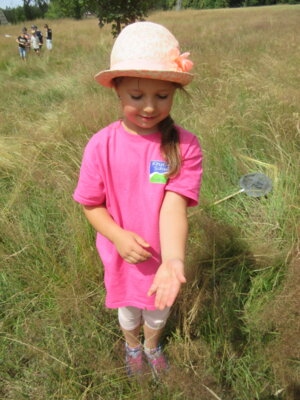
point(90, 189)
point(187, 182)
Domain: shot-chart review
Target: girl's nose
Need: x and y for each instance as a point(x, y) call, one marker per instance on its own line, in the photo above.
point(149, 106)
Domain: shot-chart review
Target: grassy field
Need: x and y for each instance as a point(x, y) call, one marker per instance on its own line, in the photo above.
point(234, 331)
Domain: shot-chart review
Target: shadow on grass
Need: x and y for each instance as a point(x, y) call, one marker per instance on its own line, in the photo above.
point(209, 310)
point(236, 321)
point(219, 265)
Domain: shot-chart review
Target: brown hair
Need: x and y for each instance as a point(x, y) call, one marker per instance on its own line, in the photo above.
point(170, 145)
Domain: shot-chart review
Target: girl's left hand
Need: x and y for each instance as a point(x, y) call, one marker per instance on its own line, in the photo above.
point(167, 282)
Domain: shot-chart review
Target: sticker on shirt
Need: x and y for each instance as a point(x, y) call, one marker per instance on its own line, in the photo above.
point(158, 169)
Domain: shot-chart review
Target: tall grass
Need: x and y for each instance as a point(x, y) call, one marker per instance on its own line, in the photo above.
point(234, 330)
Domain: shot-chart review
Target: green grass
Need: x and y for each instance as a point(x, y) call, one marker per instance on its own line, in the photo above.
point(233, 333)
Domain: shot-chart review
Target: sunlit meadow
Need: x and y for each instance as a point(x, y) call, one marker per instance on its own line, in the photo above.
point(234, 330)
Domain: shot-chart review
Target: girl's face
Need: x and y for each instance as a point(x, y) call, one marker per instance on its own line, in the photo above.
point(145, 103)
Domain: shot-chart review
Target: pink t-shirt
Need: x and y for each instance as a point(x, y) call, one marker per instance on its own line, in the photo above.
point(126, 173)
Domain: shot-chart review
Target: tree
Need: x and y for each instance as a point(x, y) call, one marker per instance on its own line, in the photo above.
point(42, 5)
point(119, 12)
point(37, 10)
point(15, 15)
point(67, 8)
point(178, 5)
point(27, 9)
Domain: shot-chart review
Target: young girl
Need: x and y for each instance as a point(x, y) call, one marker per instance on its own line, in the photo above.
point(35, 42)
point(138, 176)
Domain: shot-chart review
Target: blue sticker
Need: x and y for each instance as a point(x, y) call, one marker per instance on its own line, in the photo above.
point(158, 169)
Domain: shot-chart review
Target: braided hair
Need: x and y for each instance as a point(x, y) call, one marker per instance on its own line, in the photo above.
point(170, 145)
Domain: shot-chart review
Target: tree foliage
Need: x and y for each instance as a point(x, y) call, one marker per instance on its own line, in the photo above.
point(116, 12)
point(119, 12)
point(67, 8)
point(31, 9)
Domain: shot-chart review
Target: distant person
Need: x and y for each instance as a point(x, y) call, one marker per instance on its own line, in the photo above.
point(24, 30)
point(137, 178)
point(48, 37)
point(22, 42)
point(39, 35)
point(35, 42)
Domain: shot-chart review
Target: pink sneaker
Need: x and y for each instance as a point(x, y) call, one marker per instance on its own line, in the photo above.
point(134, 360)
point(157, 361)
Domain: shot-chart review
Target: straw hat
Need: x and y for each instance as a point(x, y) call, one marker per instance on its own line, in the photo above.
point(147, 50)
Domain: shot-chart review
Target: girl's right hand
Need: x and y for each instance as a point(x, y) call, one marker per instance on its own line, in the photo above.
point(131, 247)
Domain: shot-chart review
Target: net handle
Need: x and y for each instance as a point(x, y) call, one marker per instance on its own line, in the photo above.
point(228, 197)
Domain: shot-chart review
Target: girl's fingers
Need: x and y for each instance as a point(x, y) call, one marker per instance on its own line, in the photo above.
point(168, 298)
point(165, 297)
point(152, 290)
point(134, 257)
point(141, 253)
point(158, 299)
point(181, 278)
point(141, 241)
point(172, 297)
point(138, 257)
point(161, 299)
point(162, 294)
point(166, 288)
point(141, 244)
point(130, 260)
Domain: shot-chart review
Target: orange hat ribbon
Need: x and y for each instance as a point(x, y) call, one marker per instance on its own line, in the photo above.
point(184, 64)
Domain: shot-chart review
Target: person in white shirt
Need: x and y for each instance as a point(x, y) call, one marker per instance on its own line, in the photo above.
point(35, 42)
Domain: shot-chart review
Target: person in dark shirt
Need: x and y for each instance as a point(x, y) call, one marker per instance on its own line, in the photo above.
point(27, 35)
point(48, 37)
point(23, 43)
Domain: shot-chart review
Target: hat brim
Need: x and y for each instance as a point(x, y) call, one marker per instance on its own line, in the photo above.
point(105, 78)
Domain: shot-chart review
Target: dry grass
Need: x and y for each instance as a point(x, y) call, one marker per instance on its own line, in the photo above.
point(233, 331)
